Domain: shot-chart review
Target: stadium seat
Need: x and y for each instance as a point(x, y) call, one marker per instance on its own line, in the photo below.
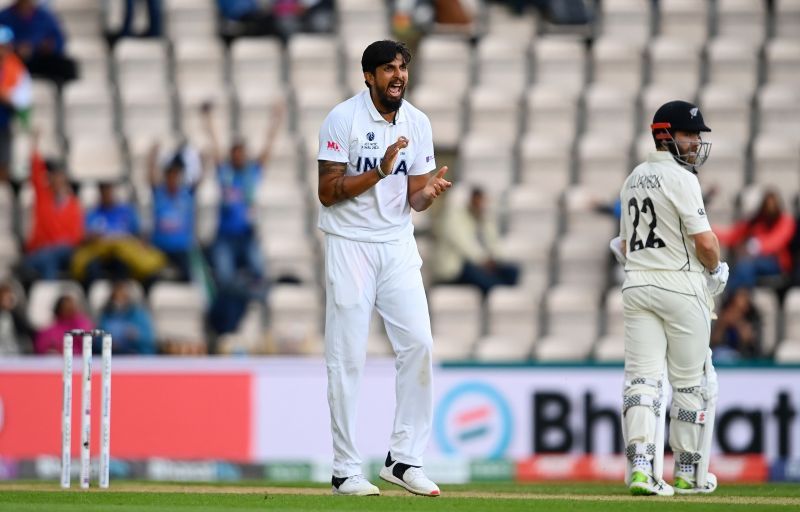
point(545, 162)
point(725, 167)
point(295, 319)
point(353, 47)
point(92, 57)
point(254, 104)
point(610, 348)
point(580, 212)
point(571, 320)
point(290, 259)
point(443, 62)
point(531, 211)
point(618, 63)
point(81, 18)
point(42, 298)
point(733, 63)
point(257, 62)
point(281, 211)
point(627, 20)
point(779, 109)
point(137, 58)
point(603, 162)
point(312, 106)
point(88, 109)
point(456, 319)
point(501, 64)
point(787, 19)
point(782, 60)
point(513, 317)
point(776, 160)
point(579, 262)
point(45, 115)
point(313, 62)
point(199, 63)
point(531, 251)
point(486, 161)
point(190, 19)
point(726, 110)
point(519, 29)
point(9, 252)
point(559, 61)
point(674, 62)
point(366, 18)
point(655, 95)
point(7, 213)
point(207, 200)
point(445, 112)
point(494, 112)
point(177, 312)
point(603, 102)
point(551, 110)
point(788, 350)
point(742, 19)
point(95, 158)
point(685, 20)
point(146, 111)
point(766, 302)
point(191, 101)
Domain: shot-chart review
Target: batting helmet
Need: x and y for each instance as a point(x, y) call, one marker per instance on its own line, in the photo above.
point(681, 116)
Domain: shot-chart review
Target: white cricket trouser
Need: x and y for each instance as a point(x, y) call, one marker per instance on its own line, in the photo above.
point(360, 276)
point(662, 324)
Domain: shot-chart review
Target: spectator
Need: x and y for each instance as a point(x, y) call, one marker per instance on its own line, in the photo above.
point(15, 331)
point(467, 247)
point(760, 244)
point(736, 333)
point(57, 219)
point(39, 40)
point(15, 96)
point(68, 316)
point(246, 18)
point(154, 10)
point(236, 248)
point(173, 213)
point(112, 241)
point(280, 18)
point(128, 322)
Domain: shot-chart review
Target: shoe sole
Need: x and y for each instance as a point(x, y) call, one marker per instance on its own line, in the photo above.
point(336, 492)
point(389, 477)
point(686, 492)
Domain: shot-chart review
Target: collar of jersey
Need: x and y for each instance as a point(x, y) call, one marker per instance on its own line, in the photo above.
point(376, 116)
point(660, 156)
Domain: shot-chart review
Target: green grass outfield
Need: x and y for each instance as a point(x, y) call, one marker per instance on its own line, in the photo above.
point(257, 496)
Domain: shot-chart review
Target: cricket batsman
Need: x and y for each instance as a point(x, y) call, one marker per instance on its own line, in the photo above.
point(672, 272)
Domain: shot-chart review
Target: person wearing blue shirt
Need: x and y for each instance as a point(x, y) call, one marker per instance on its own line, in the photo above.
point(173, 213)
point(39, 40)
point(128, 322)
point(112, 244)
point(236, 248)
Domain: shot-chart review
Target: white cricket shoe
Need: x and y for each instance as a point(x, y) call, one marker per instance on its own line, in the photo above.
point(643, 484)
point(685, 484)
point(355, 485)
point(412, 478)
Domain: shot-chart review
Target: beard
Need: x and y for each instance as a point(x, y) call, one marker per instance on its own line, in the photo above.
point(390, 104)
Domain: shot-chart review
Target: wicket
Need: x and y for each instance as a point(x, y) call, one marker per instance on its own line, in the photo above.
point(86, 338)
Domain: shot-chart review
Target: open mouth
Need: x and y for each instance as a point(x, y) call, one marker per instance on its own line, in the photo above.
point(395, 89)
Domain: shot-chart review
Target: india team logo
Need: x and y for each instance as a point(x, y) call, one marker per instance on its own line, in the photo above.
point(473, 420)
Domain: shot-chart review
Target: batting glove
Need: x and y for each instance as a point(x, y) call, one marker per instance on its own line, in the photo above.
point(616, 247)
point(717, 279)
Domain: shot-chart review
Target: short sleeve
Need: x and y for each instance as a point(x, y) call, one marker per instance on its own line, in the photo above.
point(688, 200)
point(334, 138)
point(424, 161)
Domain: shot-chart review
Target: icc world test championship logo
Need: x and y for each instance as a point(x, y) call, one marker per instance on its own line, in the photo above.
point(473, 420)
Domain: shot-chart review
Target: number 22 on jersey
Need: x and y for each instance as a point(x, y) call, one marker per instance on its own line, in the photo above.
point(651, 240)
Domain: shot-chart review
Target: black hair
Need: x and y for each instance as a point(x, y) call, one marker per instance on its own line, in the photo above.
point(381, 52)
point(60, 303)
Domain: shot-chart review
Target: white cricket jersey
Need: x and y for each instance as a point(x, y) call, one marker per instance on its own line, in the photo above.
point(354, 132)
point(662, 205)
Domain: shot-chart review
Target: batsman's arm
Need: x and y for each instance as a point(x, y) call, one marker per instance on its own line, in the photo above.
point(707, 249)
point(334, 187)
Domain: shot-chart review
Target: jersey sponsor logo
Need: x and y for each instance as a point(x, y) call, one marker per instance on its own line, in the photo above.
point(473, 419)
point(333, 145)
point(365, 163)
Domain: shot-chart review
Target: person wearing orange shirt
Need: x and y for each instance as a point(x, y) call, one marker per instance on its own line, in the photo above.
point(760, 243)
point(57, 219)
